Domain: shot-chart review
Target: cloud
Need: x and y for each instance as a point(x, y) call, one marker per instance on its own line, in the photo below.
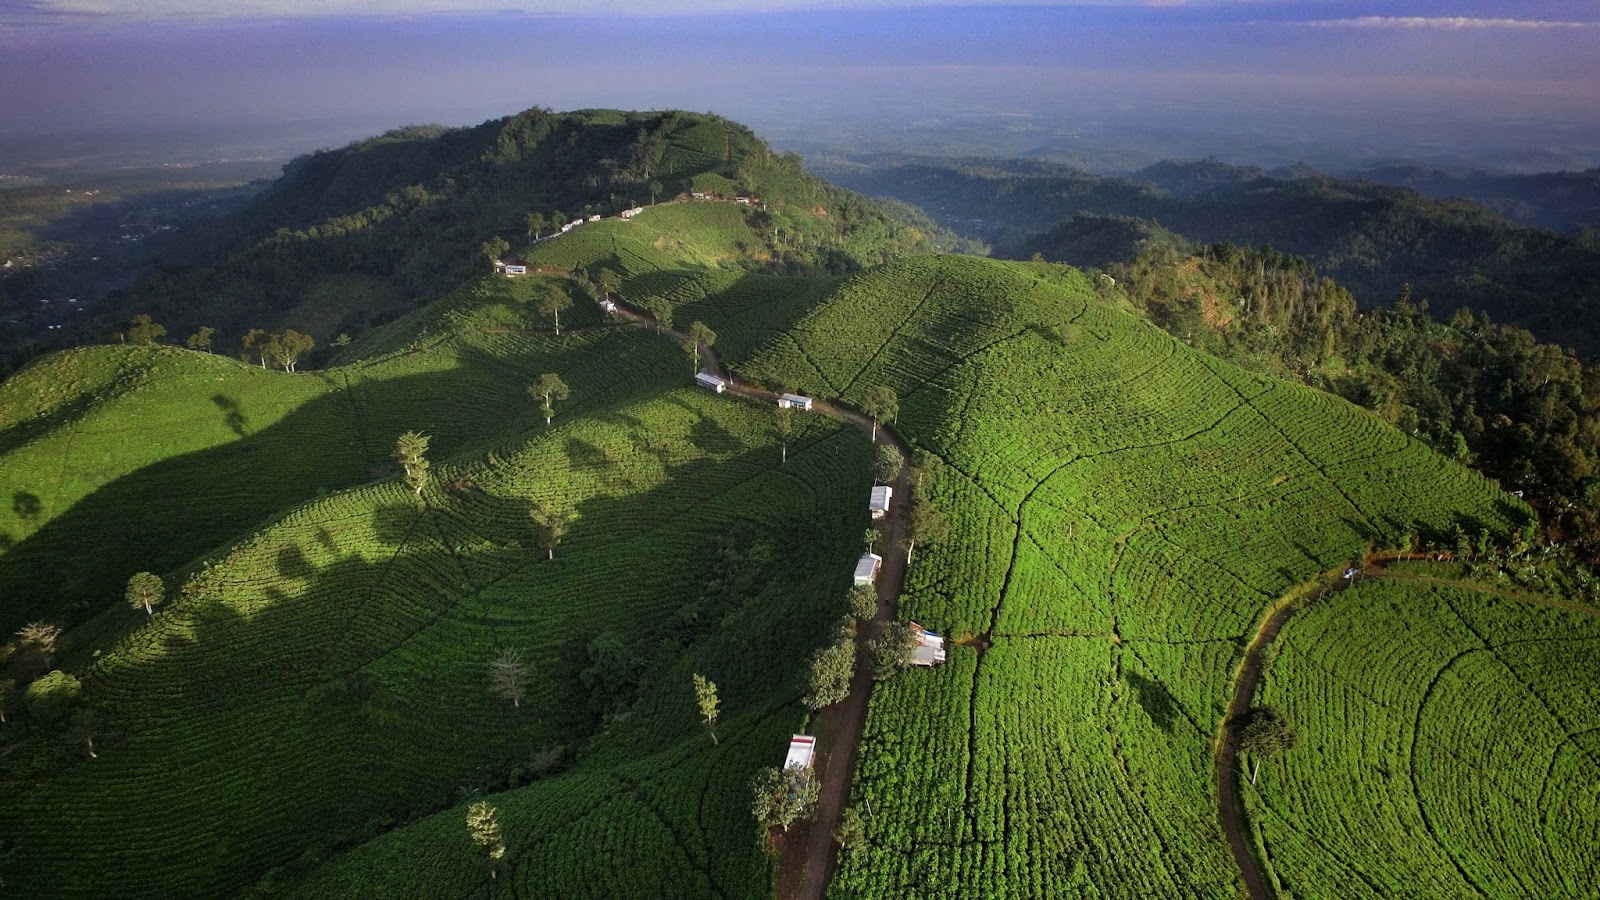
point(1451, 23)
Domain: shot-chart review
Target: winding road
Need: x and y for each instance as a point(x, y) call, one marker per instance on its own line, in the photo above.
point(809, 854)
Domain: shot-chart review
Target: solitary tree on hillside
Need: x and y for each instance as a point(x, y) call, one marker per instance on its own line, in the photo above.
point(494, 247)
point(285, 349)
point(536, 223)
point(201, 339)
point(144, 331)
point(549, 528)
point(548, 389)
point(1264, 733)
point(660, 310)
point(705, 696)
point(779, 796)
point(508, 676)
point(924, 523)
point(831, 669)
point(34, 649)
point(863, 602)
point(880, 403)
point(259, 344)
point(410, 451)
point(145, 590)
point(871, 537)
point(483, 824)
point(551, 301)
point(608, 281)
point(700, 334)
point(785, 427)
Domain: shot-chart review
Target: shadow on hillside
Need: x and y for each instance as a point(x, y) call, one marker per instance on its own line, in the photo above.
point(323, 671)
point(1157, 703)
point(162, 516)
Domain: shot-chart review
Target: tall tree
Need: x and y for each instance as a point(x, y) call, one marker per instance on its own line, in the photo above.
point(509, 676)
point(536, 222)
point(31, 654)
point(659, 309)
point(410, 450)
point(483, 825)
point(871, 537)
point(551, 301)
point(549, 528)
point(493, 248)
point(548, 389)
point(705, 697)
point(608, 281)
point(287, 348)
point(924, 522)
point(655, 188)
point(892, 649)
point(700, 335)
point(784, 424)
point(888, 463)
point(779, 796)
point(925, 467)
point(1265, 733)
point(863, 602)
point(880, 403)
point(828, 681)
point(145, 590)
point(201, 339)
point(254, 344)
point(143, 331)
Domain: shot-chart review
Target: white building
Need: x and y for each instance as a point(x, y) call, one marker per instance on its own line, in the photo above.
point(881, 495)
point(867, 568)
point(802, 752)
point(594, 218)
point(710, 382)
point(574, 223)
point(795, 401)
point(630, 213)
point(930, 647)
point(511, 269)
point(609, 307)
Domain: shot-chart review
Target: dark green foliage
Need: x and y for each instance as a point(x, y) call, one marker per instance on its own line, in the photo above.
point(863, 602)
point(144, 591)
point(891, 650)
point(888, 462)
point(50, 699)
point(779, 797)
point(143, 331)
point(831, 670)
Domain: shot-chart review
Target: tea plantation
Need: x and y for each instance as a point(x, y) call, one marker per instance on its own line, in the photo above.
point(1448, 746)
point(1123, 509)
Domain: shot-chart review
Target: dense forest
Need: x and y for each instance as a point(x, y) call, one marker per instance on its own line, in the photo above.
point(1373, 238)
point(1488, 394)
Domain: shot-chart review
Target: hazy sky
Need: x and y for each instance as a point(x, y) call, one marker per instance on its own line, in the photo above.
point(1514, 69)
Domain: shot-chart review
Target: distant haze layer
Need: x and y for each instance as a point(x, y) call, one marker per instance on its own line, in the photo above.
point(1260, 82)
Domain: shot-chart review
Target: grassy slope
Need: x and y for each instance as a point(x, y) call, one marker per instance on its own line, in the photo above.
point(155, 455)
point(1123, 509)
point(1446, 748)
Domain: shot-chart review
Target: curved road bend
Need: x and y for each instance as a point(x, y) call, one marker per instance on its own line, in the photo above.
point(809, 853)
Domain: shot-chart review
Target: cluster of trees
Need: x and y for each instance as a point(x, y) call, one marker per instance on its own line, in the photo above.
point(1491, 395)
point(278, 349)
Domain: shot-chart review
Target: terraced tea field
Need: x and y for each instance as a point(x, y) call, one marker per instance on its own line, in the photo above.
point(1123, 509)
point(1449, 738)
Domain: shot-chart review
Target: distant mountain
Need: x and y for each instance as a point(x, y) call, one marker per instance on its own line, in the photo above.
point(1373, 238)
point(1564, 201)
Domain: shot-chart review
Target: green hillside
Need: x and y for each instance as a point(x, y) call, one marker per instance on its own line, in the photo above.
point(1124, 508)
point(351, 238)
point(311, 709)
point(1448, 746)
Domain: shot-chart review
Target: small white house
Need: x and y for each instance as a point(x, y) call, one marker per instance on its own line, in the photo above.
point(630, 213)
point(594, 218)
point(795, 401)
point(568, 227)
point(698, 195)
point(575, 223)
point(744, 199)
point(867, 568)
point(930, 647)
point(609, 307)
point(710, 382)
point(802, 751)
point(513, 269)
point(879, 505)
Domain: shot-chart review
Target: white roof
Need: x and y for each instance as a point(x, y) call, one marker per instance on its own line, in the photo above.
point(880, 497)
point(867, 565)
point(801, 746)
point(930, 649)
point(708, 379)
point(796, 400)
